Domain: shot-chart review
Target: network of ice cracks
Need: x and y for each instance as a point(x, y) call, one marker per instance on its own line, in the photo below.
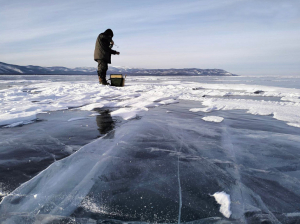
point(20, 105)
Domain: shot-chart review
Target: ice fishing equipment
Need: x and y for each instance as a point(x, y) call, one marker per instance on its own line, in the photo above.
point(117, 80)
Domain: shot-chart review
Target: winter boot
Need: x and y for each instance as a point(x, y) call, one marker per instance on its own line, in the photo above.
point(100, 80)
point(104, 82)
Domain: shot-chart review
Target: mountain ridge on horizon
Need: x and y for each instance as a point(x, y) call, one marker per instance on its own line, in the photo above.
point(11, 69)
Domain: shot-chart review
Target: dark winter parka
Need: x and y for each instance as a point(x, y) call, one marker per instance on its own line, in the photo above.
point(102, 48)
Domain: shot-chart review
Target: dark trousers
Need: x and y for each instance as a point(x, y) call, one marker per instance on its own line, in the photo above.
point(102, 69)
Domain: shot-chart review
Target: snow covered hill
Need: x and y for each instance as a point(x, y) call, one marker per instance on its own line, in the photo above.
point(9, 69)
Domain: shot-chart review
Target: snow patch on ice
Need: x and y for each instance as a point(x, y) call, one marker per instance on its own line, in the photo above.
point(19, 123)
point(102, 104)
point(205, 109)
point(285, 111)
point(294, 124)
point(170, 101)
point(224, 200)
point(92, 106)
point(213, 119)
point(291, 99)
point(125, 113)
point(77, 118)
point(94, 114)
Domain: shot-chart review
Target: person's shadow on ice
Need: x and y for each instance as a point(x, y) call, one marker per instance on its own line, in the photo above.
point(105, 124)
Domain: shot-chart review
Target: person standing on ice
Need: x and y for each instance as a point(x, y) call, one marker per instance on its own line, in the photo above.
point(103, 52)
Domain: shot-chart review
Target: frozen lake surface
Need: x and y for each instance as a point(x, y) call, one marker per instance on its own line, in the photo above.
point(159, 150)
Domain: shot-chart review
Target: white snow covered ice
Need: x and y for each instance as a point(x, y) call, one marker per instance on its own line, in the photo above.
point(17, 105)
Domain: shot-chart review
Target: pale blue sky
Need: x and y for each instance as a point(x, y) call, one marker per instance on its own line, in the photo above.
point(259, 37)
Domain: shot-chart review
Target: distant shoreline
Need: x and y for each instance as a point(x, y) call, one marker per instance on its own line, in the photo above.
point(10, 69)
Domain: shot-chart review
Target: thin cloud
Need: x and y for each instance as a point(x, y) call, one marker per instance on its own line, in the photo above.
point(232, 33)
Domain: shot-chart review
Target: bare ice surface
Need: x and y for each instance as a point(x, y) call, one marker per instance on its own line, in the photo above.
point(144, 154)
point(26, 150)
